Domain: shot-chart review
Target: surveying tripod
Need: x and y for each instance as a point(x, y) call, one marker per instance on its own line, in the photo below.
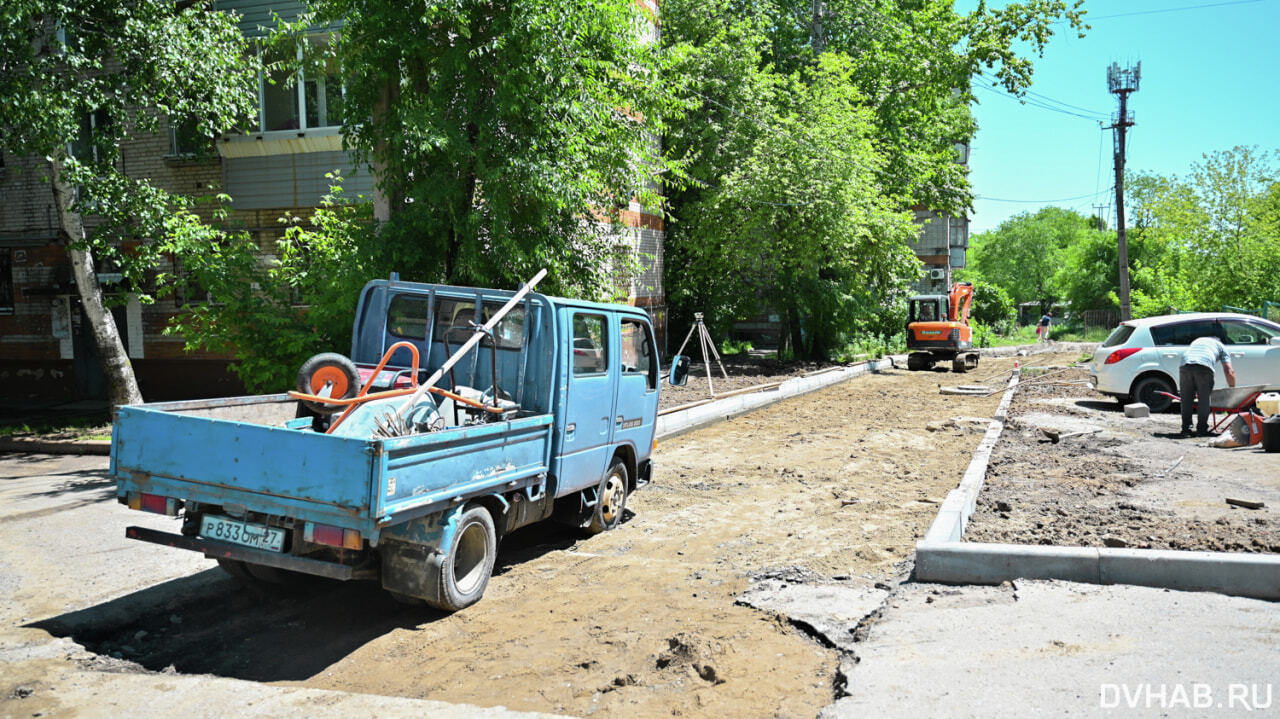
point(704, 339)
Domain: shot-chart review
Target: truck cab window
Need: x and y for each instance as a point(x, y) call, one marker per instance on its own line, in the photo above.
point(407, 317)
point(637, 351)
point(590, 344)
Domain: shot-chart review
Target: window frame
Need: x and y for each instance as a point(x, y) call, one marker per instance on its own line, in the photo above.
point(646, 331)
point(602, 346)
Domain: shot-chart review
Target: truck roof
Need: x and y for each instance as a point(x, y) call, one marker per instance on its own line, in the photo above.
point(424, 287)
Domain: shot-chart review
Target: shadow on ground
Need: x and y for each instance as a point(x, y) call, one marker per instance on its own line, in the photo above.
point(208, 623)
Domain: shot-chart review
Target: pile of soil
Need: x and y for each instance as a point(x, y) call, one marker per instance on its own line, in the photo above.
point(1116, 487)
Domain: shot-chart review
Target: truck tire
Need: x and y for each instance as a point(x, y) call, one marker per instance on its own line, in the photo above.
point(611, 499)
point(918, 362)
point(324, 368)
point(465, 571)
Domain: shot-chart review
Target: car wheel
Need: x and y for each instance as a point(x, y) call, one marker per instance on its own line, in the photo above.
point(1147, 391)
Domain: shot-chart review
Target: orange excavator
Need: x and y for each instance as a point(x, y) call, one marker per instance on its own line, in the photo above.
point(938, 330)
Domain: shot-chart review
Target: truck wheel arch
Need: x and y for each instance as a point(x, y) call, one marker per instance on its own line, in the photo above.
point(627, 454)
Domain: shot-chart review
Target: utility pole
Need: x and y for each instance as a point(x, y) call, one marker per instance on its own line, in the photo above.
point(1121, 83)
point(1102, 222)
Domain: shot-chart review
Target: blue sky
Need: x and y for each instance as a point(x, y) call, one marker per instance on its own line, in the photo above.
point(1210, 81)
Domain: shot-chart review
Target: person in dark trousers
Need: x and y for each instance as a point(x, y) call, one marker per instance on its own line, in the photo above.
point(1042, 329)
point(1195, 379)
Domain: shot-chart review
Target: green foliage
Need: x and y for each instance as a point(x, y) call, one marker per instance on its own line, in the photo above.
point(992, 305)
point(1209, 239)
point(1023, 256)
point(800, 106)
point(731, 347)
point(273, 311)
point(498, 129)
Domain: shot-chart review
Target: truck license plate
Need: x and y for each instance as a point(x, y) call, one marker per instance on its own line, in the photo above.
point(249, 535)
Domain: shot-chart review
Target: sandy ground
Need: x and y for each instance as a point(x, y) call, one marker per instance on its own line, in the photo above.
point(1119, 486)
point(835, 486)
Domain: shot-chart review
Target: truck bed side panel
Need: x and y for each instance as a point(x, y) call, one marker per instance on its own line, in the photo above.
point(224, 460)
point(428, 471)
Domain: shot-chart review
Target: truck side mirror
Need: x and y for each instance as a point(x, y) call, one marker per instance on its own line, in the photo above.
point(679, 370)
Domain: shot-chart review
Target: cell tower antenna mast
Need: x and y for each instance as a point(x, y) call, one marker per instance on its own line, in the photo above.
point(1122, 83)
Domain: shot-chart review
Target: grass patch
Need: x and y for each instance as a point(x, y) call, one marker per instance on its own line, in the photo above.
point(78, 428)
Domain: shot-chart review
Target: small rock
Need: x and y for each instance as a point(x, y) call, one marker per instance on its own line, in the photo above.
point(140, 634)
point(23, 692)
point(1116, 542)
point(175, 619)
point(1003, 506)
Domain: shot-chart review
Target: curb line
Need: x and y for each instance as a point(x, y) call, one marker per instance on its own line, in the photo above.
point(943, 558)
point(678, 423)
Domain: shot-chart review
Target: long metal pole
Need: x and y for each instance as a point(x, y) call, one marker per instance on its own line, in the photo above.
point(468, 345)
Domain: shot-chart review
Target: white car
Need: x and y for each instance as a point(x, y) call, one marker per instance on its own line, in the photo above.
point(1141, 357)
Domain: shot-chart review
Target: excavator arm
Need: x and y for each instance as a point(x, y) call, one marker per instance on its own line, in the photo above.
point(960, 300)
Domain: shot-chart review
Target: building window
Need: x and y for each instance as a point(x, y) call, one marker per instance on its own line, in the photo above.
point(6, 282)
point(86, 145)
point(293, 95)
point(185, 139)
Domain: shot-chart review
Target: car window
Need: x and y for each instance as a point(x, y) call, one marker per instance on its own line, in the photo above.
point(407, 317)
point(637, 351)
point(1243, 332)
point(1119, 336)
point(590, 344)
point(1183, 333)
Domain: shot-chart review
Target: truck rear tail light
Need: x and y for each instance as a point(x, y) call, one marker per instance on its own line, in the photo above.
point(332, 536)
point(1121, 354)
point(154, 503)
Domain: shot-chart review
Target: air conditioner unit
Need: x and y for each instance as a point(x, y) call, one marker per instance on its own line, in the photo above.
point(937, 274)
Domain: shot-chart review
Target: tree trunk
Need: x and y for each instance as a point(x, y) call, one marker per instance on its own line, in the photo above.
point(122, 384)
point(797, 333)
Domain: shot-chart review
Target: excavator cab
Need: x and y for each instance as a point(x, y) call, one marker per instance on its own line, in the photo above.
point(938, 330)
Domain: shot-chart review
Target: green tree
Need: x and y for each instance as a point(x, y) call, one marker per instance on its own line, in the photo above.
point(1024, 253)
point(824, 253)
point(272, 311)
point(77, 78)
point(1209, 239)
point(506, 136)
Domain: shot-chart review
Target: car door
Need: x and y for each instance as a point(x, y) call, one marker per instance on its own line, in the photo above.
point(588, 402)
point(636, 406)
point(1171, 342)
point(1255, 360)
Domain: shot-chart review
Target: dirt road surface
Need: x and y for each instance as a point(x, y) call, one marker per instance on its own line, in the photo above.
point(642, 621)
point(1129, 483)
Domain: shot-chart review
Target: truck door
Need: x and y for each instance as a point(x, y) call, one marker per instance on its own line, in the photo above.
point(589, 402)
point(636, 408)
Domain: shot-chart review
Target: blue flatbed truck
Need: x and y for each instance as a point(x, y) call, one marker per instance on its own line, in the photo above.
point(259, 484)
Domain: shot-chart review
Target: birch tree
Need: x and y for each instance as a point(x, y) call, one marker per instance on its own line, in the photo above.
point(79, 77)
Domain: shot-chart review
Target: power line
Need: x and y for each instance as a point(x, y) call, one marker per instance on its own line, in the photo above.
point(1168, 10)
point(1043, 105)
point(1060, 199)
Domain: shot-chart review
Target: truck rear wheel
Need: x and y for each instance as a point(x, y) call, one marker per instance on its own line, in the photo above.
point(611, 499)
point(465, 571)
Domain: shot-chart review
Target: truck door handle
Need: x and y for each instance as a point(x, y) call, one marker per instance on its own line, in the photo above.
point(619, 420)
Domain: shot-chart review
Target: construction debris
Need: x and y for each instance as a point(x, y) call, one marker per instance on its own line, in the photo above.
point(1137, 410)
point(1245, 503)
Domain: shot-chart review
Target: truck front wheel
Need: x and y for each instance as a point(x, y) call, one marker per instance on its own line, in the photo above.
point(611, 499)
point(466, 568)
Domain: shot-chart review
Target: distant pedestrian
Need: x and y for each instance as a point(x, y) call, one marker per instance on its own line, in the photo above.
point(1042, 329)
point(1195, 379)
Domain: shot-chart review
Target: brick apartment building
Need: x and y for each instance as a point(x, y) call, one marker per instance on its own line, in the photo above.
point(273, 170)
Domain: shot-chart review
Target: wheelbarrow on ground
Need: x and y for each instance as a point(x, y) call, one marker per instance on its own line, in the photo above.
point(1229, 401)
